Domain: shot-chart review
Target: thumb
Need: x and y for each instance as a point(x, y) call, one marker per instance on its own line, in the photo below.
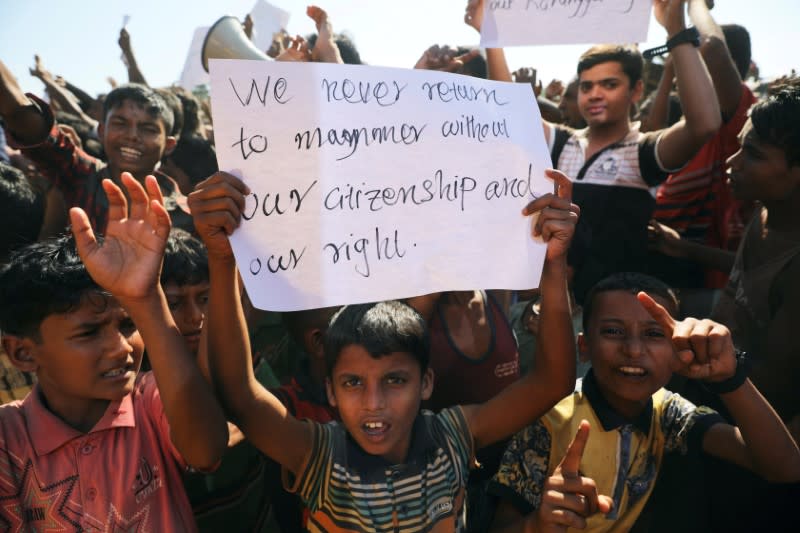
point(604, 504)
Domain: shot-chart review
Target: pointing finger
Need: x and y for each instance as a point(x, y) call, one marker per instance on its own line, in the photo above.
point(571, 462)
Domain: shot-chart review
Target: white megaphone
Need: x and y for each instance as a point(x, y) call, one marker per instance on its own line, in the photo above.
point(227, 40)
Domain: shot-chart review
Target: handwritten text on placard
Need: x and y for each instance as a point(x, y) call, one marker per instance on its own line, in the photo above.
point(532, 22)
point(374, 183)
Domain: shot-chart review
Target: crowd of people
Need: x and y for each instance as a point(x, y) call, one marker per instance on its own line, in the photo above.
point(647, 384)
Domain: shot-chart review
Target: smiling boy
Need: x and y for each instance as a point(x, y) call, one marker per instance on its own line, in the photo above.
point(135, 134)
point(387, 466)
point(95, 445)
point(634, 346)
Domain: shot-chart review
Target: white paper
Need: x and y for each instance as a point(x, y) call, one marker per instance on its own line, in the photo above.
point(532, 22)
point(458, 225)
point(267, 20)
point(193, 72)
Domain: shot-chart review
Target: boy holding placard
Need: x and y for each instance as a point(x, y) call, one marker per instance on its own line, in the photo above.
point(386, 466)
point(612, 162)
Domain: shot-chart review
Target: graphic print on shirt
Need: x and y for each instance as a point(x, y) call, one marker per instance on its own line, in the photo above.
point(147, 481)
point(38, 508)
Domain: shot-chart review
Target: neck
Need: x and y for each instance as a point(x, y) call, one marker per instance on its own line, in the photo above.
point(605, 134)
point(82, 418)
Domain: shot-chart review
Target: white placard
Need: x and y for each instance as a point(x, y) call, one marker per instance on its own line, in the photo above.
point(267, 20)
point(532, 22)
point(193, 72)
point(373, 183)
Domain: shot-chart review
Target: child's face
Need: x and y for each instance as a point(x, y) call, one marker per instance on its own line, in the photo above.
point(379, 398)
point(759, 171)
point(605, 94)
point(87, 357)
point(630, 353)
point(188, 304)
point(134, 140)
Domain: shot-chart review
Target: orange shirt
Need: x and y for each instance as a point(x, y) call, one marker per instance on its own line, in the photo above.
point(123, 475)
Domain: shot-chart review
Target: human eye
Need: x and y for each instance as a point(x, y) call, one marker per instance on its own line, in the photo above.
point(87, 332)
point(654, 333)
point(585, 86)
point(173, 304)
point(610, 84)
point(127, 327)
point(351, 382)
point(612, 331)
point(395, 380)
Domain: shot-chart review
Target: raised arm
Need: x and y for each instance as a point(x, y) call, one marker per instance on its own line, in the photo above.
point(760, 440)
point(216, 205)
point(56, 91)
point(134, 74)
point(21, 115)
point(702, 118)
point(553, 373)
point(717, 57)
point(127, 264)
point(656, 119)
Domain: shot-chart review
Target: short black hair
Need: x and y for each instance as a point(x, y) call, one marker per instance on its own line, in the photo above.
point(176, 106)
point(737, 38)
point(153, 103)
point(298, 322)
point(628, 56)
point(21, 210)
point(191, 110)
point(632, 282)
point(185, 259)
point(380, 328)
point(40, 280)
point(775, 119)
point(195, 156)
point(475, 67)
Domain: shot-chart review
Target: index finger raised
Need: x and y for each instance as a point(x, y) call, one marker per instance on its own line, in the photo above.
point(571, 462)
point(563, 185)
point(657, 311)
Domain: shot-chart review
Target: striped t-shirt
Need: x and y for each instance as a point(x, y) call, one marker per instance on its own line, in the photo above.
point(349, 490)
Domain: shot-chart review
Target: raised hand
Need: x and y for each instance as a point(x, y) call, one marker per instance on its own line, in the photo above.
point(704, 348)
point(444, 59)
point(325, 49)
point(664, 239)
point(670, 14)
point(38, 70)
point(128, 261)
point(557, 216)
point(297, 50)
point(568, 497)
point(473, 14)
point(216, 205)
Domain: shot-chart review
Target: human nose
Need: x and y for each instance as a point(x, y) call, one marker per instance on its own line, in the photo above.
point(118, 346)
point(733, 161)
point(196, 314)
point(633, 346)
point(374, 397)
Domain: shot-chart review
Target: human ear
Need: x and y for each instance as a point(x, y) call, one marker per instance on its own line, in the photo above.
point(313, 342)
point(583, 348)
point(427, 384)
point(20, 352)
point(329, 392)
point(169, 145)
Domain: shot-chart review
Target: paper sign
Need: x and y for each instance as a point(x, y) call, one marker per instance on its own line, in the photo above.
point(193, 72)
point(267, 20)
point(373, 183)
point(530, 22)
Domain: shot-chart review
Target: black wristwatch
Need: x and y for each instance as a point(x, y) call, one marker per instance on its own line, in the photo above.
point(736, 380)
point(689, 35)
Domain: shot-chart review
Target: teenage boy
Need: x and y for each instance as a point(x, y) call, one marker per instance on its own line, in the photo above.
point(135, 134)
point(634, 346)
point(386, 466)
point(94, 446)
point(612, 162)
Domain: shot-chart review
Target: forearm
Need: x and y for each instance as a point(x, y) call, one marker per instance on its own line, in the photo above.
point(197, 424)
point(698, 98)
point(80, 94)
point(134, 74)
point(67, 103)
point(496, 65)
point(773, 453)
point(22, 117)
point(555, 351)
point(228, 343)
point(708, 256)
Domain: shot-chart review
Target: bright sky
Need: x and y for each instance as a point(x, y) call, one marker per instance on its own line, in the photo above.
point(78, 39)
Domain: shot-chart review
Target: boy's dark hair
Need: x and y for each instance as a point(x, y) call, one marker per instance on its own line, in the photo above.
point(154, 105)
point(632, 282)
point(195, 156)
point(776, 118)
point(185, 259)
point(176, 106)
point(39, 280)
point(191, 110)
point(380, 328)
point(21, 210)
point(475, 67)
point(628, 56)
point(738, 40)
point(347, 48)
point(298, 322)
